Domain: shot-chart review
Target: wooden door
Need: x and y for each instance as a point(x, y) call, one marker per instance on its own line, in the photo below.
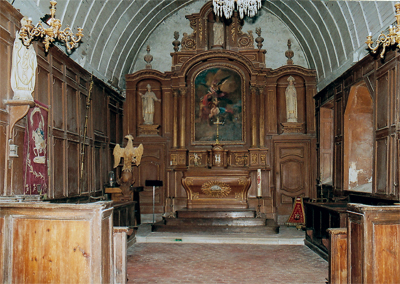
point(151, 168)
point(292, 173)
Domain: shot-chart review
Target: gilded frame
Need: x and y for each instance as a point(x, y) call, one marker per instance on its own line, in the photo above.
point(225, 84)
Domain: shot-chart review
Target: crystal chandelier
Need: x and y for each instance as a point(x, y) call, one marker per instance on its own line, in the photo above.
point(392, 38)
point(29, 32)
point(245, 7)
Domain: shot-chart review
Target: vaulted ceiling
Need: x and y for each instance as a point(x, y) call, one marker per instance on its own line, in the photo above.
point(332, 34)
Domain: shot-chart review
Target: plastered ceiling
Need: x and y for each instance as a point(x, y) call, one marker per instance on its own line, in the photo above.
point(330, 33)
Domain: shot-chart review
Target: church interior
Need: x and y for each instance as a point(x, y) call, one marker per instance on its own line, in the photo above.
point(196, 116)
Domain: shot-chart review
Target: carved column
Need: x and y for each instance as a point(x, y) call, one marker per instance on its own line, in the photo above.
point(183, 117)
point(253, 93)
point(271, 109)
point(175, 119)
point(262, 116)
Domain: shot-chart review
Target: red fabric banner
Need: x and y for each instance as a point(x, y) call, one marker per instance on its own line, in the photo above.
point(36, 178)
point(297, 217)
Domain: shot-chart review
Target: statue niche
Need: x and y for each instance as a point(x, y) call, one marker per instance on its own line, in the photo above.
point(148, 101)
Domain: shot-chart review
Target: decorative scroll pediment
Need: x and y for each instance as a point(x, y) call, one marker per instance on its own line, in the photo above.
point(211, 32)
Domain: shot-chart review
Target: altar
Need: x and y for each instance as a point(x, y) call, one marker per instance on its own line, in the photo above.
point(209, 188)
point(227, 133)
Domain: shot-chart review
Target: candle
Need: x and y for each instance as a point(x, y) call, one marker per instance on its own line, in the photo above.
point(259, 191)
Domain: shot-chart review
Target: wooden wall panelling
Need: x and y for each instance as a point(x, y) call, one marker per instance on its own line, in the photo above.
point(42, 84)
point(58, 169)
point(57, 106)
point(17, 183)
point(62, 85)
point(3, 158)
point(309, 107)
point(381, 165)
point(105, 166)
point(72, 105)
point(73, 168)
point(271, 110)
point(326, 144)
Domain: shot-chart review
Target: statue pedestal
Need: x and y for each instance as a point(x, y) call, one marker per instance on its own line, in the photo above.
point(148, 129)
point(293, 127)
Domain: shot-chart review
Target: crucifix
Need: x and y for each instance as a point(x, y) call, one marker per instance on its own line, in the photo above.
point(218, 123)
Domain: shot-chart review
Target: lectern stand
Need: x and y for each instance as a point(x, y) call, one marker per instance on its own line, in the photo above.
point(154, 183)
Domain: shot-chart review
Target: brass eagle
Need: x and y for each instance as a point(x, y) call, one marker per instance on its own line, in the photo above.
point(131, 155)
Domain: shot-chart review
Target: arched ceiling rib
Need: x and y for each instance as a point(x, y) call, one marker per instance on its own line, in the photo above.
point(331, 33)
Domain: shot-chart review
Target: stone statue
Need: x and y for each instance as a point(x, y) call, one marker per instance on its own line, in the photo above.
point(148, 100)
point(291, 101)
point(23, 71)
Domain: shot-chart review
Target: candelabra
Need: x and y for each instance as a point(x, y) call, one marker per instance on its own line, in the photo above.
point(245, 7)
point(392, 38)
point(28, 32)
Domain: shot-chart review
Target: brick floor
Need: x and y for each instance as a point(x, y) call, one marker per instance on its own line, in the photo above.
point(224, 263)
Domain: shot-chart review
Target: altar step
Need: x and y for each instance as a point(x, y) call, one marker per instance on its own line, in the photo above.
point(216, 221)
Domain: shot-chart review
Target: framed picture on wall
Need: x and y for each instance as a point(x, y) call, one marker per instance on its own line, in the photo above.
point(218, 103)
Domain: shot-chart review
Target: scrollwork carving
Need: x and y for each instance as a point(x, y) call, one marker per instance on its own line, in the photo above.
point(189, 41)
point(215, 188)
point(245, 40)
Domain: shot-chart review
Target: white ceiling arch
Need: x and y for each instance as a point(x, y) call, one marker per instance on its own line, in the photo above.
point(332, 34)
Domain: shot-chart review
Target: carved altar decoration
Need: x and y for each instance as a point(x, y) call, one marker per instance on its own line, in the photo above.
point(132, 156)
point(221, 122)
point(226, 189)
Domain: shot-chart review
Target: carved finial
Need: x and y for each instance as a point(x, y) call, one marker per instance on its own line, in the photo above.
point(289, 53)
point(259, 39)
point(176, 43)
point(148, 58)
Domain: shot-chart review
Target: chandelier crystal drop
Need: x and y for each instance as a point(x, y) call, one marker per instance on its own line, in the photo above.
point(245, 7)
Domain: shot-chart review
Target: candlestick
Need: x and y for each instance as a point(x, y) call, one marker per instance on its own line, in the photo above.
point(259, 190)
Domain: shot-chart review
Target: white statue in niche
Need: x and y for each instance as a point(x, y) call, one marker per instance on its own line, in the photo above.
point(218, 30)
point(23, 71)
point(148, 100)
point(291, 101)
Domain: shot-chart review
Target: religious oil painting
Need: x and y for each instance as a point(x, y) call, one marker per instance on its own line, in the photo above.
point(218, 106)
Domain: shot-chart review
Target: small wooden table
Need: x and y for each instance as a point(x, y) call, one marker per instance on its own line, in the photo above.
point(116, 194)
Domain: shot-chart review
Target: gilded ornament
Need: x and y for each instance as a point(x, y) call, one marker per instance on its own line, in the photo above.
point(254, 158)
point(216, 189)
point(242, 181)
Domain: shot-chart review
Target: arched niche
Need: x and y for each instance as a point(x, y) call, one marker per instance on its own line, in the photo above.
point(358, 140)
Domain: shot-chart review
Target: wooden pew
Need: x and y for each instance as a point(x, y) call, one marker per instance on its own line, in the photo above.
point(337, 255)
point(373, 244)
point(56, 243)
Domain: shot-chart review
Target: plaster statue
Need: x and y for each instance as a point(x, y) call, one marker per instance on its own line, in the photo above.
point(23, 71)
point(291, 101)
point(218, 29)
point(148, 100)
